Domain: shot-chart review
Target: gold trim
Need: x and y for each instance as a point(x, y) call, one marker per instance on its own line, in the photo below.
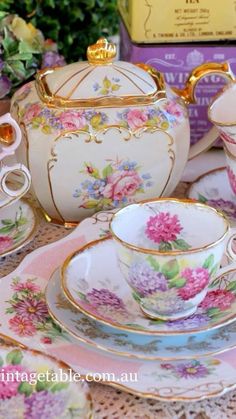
point(4, 178)
point(71, 77)
point(56, 101)
point(60, 364)
point(174, 252)
point(28, 239)
point(117, 325)
point(188, 92)
point(116, 352)
point(127, 389)
point(101, 53)
point(127, 135)
point(213, 102)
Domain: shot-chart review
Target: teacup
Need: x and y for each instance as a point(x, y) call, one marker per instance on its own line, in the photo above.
point(10, 138)
point(169, 252)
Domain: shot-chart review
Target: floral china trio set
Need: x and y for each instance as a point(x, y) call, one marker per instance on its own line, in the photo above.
point(108, 135)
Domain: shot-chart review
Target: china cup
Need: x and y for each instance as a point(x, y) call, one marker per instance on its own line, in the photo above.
point(169, 252)
point(10, 138)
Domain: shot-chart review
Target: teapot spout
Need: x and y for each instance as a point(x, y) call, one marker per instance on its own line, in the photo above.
point(188, 92)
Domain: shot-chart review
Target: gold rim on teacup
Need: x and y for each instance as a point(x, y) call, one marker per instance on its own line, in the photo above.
point(213, 102)
point(171, 252)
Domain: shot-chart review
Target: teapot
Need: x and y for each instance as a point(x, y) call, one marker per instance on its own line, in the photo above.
point(101, 134)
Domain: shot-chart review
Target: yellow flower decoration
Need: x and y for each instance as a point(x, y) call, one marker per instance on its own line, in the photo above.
point(22, 30)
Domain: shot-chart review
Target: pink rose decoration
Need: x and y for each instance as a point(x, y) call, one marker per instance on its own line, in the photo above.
point(73, 120)
point(33, 111)
point(5, 243)
point(122, 184)
point(136, 118)
point(174, 109)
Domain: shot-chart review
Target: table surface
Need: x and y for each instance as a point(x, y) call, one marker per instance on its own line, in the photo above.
point(110, 403)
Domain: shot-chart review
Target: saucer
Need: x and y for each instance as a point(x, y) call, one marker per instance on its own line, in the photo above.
point(133, 345)
point(17, 226)
point(93, 283)
point(35, 387)
point(213, 188)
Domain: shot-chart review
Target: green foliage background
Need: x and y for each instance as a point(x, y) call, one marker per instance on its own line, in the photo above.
point(73, 24)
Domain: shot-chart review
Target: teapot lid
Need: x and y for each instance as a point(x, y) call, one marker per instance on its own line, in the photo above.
point(99, 81)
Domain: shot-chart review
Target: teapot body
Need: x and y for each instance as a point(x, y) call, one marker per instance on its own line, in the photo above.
point(84, 160)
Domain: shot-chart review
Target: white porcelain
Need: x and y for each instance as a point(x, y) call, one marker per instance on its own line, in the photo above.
point(94, 285)
point(130, 344)
point(187, 380)
point(169, 251)
point(101, 134)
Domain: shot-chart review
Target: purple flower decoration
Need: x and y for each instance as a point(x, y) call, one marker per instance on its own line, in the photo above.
point(228, 207)
point(145, 280)
point(191, 369)
point(45, 405)
point(52, 59)
point(192, 322)
point(104, 297)
point(5, 86)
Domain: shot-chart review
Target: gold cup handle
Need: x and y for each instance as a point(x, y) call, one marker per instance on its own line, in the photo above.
point(188, 95)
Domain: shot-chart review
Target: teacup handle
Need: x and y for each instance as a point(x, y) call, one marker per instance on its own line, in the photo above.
point(11, 195)
point(229, 251)
point(6, 148)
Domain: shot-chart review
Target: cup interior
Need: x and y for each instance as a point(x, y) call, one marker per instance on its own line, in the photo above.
point(168, 225)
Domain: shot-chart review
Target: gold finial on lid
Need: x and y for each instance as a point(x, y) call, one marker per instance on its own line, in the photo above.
point(102, 52)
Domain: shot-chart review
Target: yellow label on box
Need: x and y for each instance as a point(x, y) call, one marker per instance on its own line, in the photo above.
point(155, 21)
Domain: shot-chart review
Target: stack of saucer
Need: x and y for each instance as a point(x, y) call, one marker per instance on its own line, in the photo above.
point(89, 298)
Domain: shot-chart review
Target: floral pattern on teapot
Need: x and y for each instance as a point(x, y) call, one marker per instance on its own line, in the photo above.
point(51, 121)
point(115, 186)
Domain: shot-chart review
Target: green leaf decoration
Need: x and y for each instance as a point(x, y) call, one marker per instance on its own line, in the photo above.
point(25, 388)
point(208, 262)
point(7, 221)
point(22, 221)
point(214, 270)
point(231, 286)
point(136, 296)
point(165, 246)
point(42, 385)
point(14, 357)
point(7, 229)
point(181, 244)
point(107, 171)
point(59, 387)
point(170, 269)
point(153, 262)
point(177, 283)
point(1, 361)
point(90, 204)
point(202, 198)
point(140, 190)
point(213, 311)
point(81, 296)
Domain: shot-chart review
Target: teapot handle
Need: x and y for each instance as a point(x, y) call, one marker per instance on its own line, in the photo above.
point(188, 95)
